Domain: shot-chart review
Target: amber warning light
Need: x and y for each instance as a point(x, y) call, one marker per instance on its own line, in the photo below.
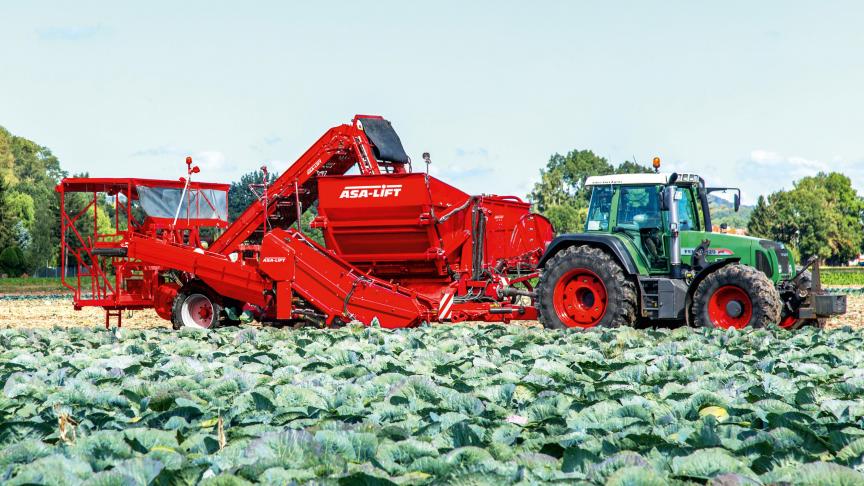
point(656, 163)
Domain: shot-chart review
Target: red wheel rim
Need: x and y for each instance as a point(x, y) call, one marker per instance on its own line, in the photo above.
point(730, 306)
point(580, 298)
point(788, 322)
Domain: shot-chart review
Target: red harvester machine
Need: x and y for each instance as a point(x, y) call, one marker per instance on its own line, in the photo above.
point(401, 247)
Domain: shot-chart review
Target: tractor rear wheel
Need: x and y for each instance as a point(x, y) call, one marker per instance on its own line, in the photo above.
point(195, 307)
point(736, 296)
point(584, 287)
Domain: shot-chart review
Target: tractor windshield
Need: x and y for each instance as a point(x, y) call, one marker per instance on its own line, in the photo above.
point(196, 203)
point(639, 207)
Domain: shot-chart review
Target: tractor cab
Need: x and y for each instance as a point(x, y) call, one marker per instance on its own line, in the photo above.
point(637, 207)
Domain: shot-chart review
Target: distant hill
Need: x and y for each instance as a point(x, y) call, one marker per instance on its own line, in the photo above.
point(723, 211)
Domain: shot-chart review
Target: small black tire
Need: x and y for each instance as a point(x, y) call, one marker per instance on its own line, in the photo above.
point(736, 296)
point(196, 307)
point(601, 275)
point(816, 322)
point(787, 320)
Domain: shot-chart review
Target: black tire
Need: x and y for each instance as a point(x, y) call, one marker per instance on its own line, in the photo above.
point(728, 284)
point(192, 295)
point(621, 299)
point(805, 282)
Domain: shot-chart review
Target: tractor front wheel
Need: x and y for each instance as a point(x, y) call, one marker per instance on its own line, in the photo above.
point(736, 296)
point(196, 308)
point(583, 287)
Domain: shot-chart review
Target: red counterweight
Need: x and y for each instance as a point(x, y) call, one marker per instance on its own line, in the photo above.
point(401, 248)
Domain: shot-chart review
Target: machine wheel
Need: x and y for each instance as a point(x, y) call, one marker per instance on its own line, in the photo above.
point(790, 321)
point(585, 287)
point(736, 296)
point(195, 307)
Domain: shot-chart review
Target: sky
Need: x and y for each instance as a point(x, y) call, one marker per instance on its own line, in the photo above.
point(748, 94)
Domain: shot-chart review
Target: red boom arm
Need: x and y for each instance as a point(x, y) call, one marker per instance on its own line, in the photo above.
point(333, 154)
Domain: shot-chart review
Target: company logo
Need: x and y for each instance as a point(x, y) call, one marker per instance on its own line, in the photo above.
point(709, 252)
point(383, 190)
point(314, 166)
point(273, 259)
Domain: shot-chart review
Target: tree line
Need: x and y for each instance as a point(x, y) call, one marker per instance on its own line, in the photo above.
point(821, 215)
point(29, 207)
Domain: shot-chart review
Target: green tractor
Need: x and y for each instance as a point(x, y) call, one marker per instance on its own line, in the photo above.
point(648, 256)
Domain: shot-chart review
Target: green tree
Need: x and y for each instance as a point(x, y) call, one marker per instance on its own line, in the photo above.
point(7, 160)
point(630, 167)
point(12, 261)
point(29, 207)
point(820, 216)
point(567, 218)
point(35, 165)
point(561, 194)
point(240, 195)
point(20, 207)
point(760, 223)
point(306, 221)
point(7, 221)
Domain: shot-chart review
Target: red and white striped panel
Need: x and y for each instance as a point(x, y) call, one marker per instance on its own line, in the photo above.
point(445, 307)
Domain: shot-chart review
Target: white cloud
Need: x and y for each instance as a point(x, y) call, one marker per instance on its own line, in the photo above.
point(214, 164)
point(72, 32)
point(764, 157)
point(160, 151)
point(213, 160)
point(765, 171)
point(773, 159)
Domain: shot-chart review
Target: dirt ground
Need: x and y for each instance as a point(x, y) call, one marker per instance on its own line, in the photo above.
point(59, 312)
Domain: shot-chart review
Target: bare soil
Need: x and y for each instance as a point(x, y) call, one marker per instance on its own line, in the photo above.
point(32, 313)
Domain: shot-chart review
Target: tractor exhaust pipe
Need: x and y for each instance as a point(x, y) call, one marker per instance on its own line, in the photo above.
point(674, 236)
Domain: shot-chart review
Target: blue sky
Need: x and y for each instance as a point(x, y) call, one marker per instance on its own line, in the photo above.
point(753, 94)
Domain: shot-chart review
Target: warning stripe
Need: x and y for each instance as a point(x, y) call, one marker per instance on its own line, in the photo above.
point(444, 307)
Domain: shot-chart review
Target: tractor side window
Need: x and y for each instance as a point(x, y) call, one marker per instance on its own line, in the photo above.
point(686, 214)
point(639, 207)
point(599, 209)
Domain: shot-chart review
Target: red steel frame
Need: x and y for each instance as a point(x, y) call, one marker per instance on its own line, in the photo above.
point(114, 294)
point(421, 253)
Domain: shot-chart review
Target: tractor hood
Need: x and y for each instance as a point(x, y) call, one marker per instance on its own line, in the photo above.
point(771, 257)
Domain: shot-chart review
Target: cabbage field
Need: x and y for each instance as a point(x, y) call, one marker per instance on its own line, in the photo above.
point(444, 404)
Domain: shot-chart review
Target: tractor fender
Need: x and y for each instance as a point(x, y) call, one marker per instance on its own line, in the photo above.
point(604, 242)
point(688, 300)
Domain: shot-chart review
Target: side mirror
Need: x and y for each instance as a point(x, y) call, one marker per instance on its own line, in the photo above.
point(737, 202)
point(664, 193)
